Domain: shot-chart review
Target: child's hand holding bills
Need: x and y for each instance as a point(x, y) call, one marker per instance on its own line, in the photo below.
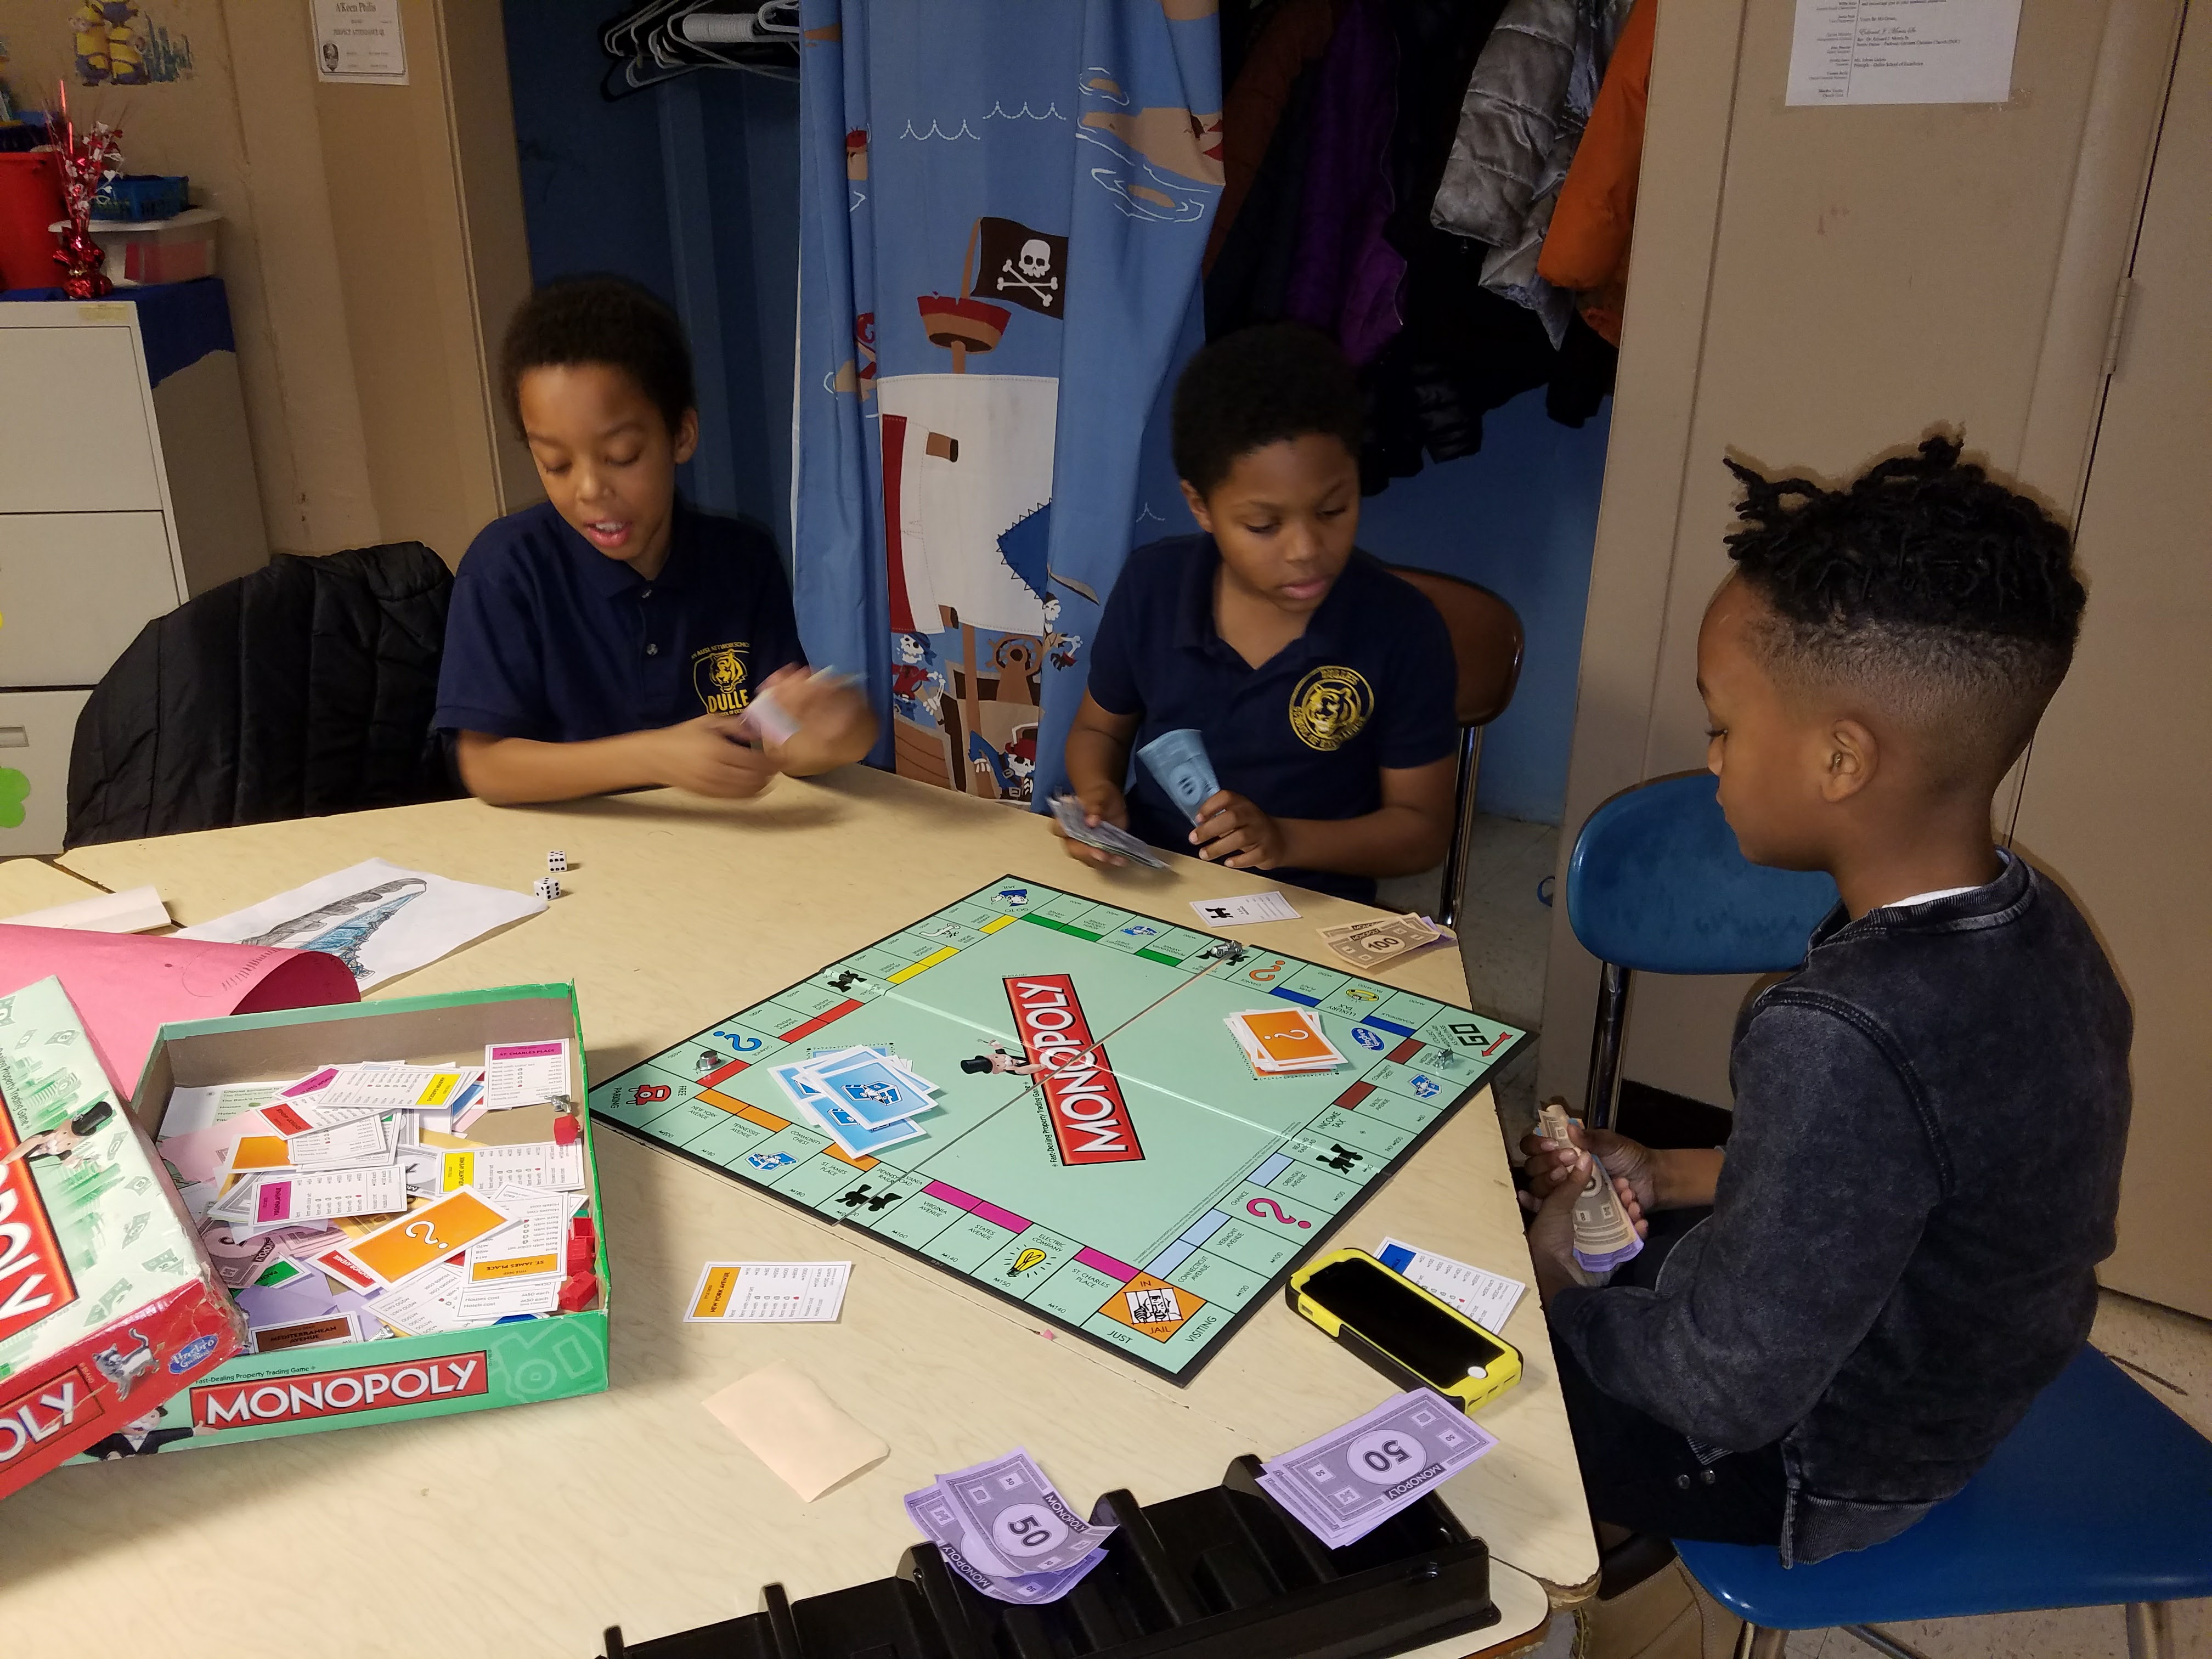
point(1237, 835)
point(1178, 761)
point(1075, 822)
point(817, 706)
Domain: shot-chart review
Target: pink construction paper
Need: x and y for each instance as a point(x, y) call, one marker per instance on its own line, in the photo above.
point(127, 985)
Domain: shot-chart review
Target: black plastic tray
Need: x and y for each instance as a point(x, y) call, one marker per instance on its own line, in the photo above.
point(1219, 1574)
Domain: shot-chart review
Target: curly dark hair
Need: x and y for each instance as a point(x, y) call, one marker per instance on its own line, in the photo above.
point(1259, 386)
point(599, 319)
point(1924, 582)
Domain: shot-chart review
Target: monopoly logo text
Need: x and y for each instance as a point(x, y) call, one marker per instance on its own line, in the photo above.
point(1090, 1119)
point(34, 1276)
point(44, 1410)
point(333, 1394)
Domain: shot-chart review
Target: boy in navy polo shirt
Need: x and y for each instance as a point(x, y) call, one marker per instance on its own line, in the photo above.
point(612, 636)
point(1321, 684)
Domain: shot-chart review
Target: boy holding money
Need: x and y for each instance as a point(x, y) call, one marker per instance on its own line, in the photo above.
point(1896, 1249)
point(1318, 685)
point(613, 636)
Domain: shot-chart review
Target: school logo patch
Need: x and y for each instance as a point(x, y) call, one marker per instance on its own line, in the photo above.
point(719, 675)
point(1330, 707)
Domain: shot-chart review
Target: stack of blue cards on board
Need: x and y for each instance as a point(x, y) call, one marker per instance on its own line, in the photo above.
point(1177, 759)
point(863, 1098)
point(1107, 837)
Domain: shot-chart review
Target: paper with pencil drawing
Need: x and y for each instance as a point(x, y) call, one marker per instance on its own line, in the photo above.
point(375, 917)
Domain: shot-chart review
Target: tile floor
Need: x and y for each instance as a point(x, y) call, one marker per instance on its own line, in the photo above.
point(1503, 936)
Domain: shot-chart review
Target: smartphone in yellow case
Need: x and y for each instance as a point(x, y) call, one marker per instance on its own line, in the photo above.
point(1416, 1339)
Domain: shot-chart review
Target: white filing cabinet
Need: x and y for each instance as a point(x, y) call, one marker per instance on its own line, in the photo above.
point(88, 551)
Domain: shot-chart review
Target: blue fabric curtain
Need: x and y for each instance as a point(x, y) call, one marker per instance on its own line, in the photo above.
point(1004, 206)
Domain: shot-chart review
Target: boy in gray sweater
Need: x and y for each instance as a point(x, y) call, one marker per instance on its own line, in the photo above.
point(1896, 1251)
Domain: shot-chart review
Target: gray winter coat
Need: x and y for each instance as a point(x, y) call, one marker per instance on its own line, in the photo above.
point(1519, 125)
point(1508, 122)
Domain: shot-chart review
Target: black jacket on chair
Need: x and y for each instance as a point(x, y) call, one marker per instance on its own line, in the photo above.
point(305, 688)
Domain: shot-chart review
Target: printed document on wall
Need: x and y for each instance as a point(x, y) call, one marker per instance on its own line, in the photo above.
point(360, 41)
point(1903, 52)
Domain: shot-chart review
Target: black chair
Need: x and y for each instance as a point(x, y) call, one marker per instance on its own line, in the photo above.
point(307, 687)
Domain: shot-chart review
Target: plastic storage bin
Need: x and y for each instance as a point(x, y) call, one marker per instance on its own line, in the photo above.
point(141, 196)
point(174, 250)
point(30, 199)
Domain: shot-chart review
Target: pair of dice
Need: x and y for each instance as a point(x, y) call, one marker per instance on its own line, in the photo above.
point(548, 886)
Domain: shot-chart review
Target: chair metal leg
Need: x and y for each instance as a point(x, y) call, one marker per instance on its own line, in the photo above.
point(1755, 1642)
point(1604, 1047)
point(1882, 1642)
point(1457, 855)
point(2150, 1630)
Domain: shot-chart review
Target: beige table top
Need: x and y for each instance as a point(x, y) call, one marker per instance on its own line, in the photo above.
point(531, 1529)
point(27, 885)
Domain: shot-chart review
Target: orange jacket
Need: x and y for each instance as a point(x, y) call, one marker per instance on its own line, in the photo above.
point(1587, 247)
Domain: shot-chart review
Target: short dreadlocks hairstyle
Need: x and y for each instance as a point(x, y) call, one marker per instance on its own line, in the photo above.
point(1259, 386)
point(1950, 600)
point(599, 319)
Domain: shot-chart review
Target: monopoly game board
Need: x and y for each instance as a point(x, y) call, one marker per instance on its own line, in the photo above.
point(1148, 1190)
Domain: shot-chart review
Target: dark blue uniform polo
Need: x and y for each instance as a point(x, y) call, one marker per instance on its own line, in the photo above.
point(548, 638)
point(1306, 734)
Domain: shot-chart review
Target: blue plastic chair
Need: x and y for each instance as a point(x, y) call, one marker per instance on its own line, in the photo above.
point(2101, 1497)
point(1657, 883)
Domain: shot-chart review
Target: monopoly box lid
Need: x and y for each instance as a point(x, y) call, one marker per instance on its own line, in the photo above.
point(108, 1304)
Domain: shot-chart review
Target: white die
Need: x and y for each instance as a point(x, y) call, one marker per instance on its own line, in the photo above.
point(546, 888)
point(556, 860)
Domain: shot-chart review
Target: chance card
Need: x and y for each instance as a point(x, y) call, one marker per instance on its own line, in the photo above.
point(426, 1237)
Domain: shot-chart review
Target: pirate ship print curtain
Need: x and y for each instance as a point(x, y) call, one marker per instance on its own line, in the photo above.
point(1004, 206)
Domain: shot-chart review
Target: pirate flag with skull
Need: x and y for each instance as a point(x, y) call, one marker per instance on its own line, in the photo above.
point(1018, 266)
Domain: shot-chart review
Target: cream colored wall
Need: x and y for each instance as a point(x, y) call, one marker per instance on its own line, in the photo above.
point(2117, 797)
point(259, 165)
point(361, 292)
point(1813, 289)
point(426, 286)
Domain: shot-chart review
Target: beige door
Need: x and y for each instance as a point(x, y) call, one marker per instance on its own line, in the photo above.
point(1813, 289)
point(2118, 802)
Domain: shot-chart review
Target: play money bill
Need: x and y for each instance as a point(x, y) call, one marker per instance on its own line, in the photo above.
point(1348, 1482)
point(1107, 837)
point(1017, 1516)
point(1605, 1237)
point(1366, 945)
point(1178, 761)
point(933, 1513)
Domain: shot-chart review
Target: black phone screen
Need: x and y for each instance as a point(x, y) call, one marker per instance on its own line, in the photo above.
point(1389, 1313)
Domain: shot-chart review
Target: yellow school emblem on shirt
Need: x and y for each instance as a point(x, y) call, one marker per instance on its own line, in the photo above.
point(718, 674)
point(1330, 707)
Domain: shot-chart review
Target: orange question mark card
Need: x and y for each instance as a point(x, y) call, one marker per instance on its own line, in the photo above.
point(428, 1235)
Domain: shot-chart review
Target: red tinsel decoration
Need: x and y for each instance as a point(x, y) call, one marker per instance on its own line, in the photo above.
point(86, 160)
